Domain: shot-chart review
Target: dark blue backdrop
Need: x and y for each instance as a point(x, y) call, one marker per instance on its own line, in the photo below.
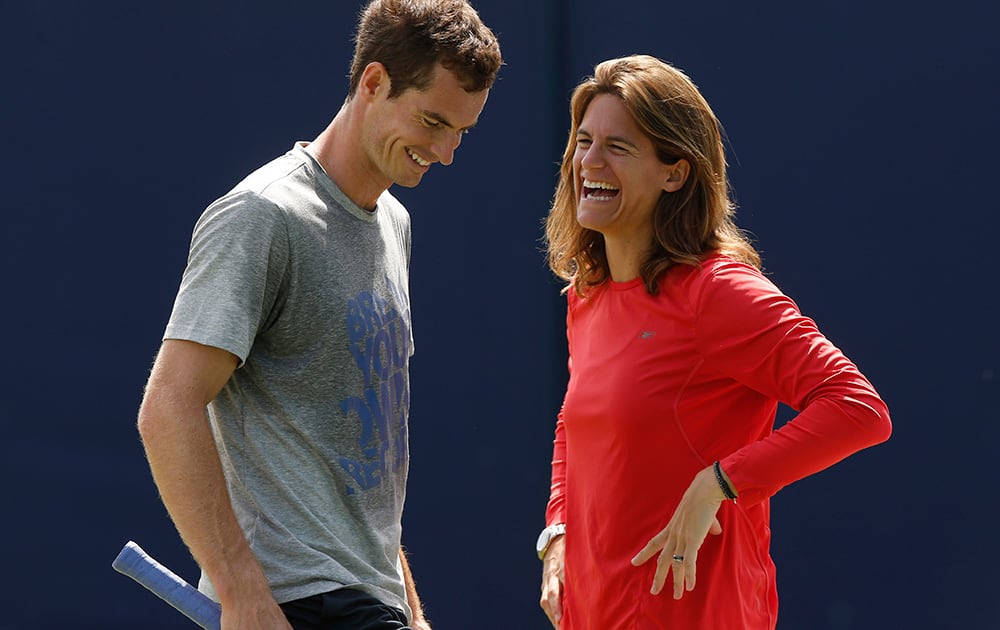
point(863, 157)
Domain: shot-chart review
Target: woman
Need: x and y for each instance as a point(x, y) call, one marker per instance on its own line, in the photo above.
point(680, 350)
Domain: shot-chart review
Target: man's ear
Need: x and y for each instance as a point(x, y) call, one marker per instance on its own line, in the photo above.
point(374, 78)
point(677, 175)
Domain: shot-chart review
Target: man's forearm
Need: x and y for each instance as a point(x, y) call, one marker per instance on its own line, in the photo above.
point(185, 463)
point(411, 590)
point(186, 468)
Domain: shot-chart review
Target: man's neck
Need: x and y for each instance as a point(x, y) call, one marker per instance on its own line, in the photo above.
point(341, 153)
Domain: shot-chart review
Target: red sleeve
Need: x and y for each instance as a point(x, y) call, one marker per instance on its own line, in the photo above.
point(556, 510)
point(751, 332)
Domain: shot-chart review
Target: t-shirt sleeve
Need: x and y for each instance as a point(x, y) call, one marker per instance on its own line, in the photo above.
point(751, 332)
point(228, 293)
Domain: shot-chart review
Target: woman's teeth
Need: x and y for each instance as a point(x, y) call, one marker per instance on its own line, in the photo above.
point(599, 191)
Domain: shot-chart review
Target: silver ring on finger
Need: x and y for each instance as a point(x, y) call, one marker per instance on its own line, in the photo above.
point(678, 558)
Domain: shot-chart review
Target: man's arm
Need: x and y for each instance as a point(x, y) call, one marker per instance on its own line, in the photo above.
point(186, 468)
point(419, 622)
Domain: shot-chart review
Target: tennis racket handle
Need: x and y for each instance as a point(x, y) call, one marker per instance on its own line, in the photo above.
point(168, 586)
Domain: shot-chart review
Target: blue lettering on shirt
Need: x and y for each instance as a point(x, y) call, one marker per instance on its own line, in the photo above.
point(379, 337)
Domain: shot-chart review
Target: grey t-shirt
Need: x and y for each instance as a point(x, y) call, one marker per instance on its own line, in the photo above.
point(310, 292)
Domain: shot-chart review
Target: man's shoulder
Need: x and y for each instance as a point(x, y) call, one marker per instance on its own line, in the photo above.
point(388, 202)
point(284, 170)
point(284, 186)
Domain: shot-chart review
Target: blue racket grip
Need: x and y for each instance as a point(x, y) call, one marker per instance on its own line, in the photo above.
point(168, 586)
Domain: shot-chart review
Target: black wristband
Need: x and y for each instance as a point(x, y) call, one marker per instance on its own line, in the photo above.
point(726, 490)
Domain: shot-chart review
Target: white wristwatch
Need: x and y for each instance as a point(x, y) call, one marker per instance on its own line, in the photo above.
point(547, 536)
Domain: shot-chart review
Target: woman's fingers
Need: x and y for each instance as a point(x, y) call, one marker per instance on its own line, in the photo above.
point(654, 545)
point(715, 528)
point(685, 569)
point(678, 543)
point(670, 559)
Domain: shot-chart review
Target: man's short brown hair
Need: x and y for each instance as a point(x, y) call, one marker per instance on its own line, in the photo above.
point(410, 37)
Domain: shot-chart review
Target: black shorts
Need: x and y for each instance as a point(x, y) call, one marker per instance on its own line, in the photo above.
point(343, 609)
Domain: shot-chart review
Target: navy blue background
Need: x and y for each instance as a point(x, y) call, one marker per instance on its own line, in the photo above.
point(863, 153)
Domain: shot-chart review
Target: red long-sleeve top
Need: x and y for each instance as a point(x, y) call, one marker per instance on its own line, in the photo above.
point(660, 387)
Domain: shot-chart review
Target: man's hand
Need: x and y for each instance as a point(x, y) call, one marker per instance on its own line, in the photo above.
point(246, 597)
point(420, 624)
point(255, 615)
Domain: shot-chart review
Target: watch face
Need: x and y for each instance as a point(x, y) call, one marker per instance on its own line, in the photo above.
point(547, 535)
point(543, 540)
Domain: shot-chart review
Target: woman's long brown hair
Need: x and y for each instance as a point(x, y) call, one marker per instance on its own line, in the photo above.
point(688, 223)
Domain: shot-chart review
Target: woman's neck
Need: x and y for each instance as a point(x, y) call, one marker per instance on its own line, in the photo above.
point(625, 258)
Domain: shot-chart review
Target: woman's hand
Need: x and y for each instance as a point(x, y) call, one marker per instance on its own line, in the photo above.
point(552, 580)
point(678, 543)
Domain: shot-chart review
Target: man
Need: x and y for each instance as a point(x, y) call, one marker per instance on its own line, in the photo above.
point(292, 326)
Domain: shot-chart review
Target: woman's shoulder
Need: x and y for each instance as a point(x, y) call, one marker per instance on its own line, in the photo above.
point(713, 268)
point(719, 281)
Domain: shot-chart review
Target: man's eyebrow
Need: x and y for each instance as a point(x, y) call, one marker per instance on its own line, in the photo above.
point(444, 121)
